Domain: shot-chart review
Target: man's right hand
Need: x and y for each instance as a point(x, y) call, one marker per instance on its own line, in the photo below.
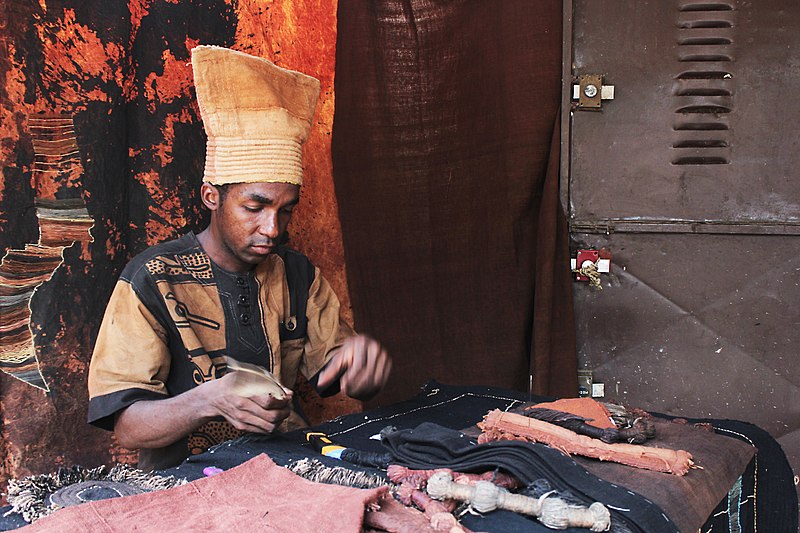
point(235, 397)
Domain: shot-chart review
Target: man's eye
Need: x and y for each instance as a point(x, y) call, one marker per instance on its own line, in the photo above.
point(252, 209)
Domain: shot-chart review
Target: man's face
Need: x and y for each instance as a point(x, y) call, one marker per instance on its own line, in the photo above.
point(246, 225)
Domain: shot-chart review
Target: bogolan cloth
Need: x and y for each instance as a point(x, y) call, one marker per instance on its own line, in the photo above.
point(173, 317)
point(255, 496)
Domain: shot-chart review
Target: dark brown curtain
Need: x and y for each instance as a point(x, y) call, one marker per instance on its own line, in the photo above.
point(455, 243)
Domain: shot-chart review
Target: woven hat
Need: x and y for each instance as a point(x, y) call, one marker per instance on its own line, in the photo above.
point(256, 116)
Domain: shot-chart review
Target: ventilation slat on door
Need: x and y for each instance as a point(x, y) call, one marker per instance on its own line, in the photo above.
point(703, 91)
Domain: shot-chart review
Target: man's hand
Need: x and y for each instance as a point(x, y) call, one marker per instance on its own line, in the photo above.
point(361, 365)
point(237, 397)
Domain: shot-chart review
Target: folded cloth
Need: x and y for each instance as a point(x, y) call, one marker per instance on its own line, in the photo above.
point(593, 411)
point(432, 446)
point(499, 425)
point(255, 496)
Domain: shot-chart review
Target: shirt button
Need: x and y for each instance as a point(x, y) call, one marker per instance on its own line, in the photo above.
point(244, 299)
point(240, 282)
point(245, 318)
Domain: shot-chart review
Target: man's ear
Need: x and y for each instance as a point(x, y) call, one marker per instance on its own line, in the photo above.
point(210, 196)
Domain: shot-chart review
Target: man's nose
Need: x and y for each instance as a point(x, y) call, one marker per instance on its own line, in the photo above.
point(269, 226)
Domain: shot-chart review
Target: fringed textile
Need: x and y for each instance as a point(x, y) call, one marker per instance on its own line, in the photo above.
point(31, 496)
point(314, 470)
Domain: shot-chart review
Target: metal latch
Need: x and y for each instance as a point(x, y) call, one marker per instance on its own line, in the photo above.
point(590, 92)
point(588, 265)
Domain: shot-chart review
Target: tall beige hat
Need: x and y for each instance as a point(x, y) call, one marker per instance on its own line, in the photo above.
point(256, 116)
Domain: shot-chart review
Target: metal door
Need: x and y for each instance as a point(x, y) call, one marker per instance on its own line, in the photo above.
point(690, 177)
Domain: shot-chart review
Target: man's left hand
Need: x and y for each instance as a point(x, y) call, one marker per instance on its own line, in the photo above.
point(362, 366)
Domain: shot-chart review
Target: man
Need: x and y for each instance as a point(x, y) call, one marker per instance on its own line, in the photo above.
point(159, 373)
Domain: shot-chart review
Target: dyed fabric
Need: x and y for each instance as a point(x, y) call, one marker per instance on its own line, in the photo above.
point(593, 411)
point(175, 315)
point(394, 517)
point(499, 426)
point(256, 496)
point(36, 496)
point(764, 499)
point(63, 221)
point(447, 179)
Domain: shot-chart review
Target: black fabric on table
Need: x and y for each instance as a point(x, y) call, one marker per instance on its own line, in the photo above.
point(773, 500)
point(769, 479)
point(432, 446)
point(687, 500)
point(9, 520)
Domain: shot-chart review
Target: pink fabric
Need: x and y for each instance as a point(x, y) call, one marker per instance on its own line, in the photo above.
point(394, 517)
point(255, 496)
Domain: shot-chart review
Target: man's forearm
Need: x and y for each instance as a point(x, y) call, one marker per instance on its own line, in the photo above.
point(159, 423)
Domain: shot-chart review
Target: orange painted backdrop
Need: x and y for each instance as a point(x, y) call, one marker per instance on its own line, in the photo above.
point(118, 72)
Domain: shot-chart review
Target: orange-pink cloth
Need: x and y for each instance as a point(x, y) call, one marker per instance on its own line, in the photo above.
point(500, 425)
point(255, 496)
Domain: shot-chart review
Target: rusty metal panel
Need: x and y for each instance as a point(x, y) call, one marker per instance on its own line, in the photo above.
point(700, 136)
point(703, 324)
point(698, 325)
point(689, 177)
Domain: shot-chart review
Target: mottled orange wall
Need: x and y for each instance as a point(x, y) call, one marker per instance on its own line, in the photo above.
point(41, 431)
point(301, 35)
point(89, 71)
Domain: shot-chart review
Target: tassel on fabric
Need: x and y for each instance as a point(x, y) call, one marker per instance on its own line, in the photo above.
point(401, 474)
point(635, 425)
point(550, 510)
point(314, 470)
